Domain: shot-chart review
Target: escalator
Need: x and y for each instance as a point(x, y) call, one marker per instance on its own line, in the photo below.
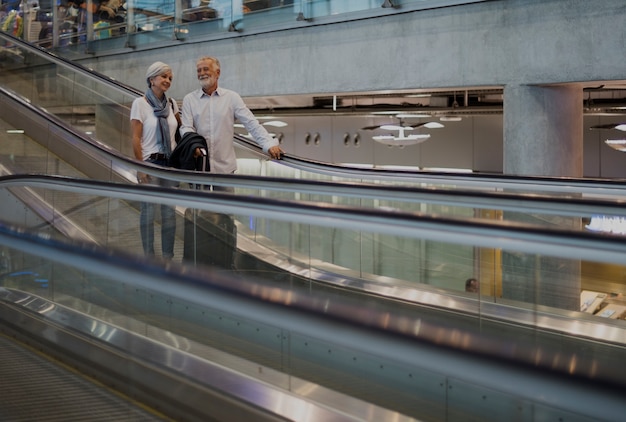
point(396, 356)
point(84, 92)
point(103, 104)
point(93, 104)
point(30, 378)
point(466, 312)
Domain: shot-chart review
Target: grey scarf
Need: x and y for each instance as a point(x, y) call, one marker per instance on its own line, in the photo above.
point(161, 111)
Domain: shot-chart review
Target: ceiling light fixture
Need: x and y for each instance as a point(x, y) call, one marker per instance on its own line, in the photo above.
point(272, 123)
point(618, 126)
point(402, 139)
point(385, 113)
point(617, 144)
point(411, 116)
point(275, 123)
point(433, 125)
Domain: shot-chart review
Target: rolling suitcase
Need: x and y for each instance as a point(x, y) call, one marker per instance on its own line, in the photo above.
point(210, 238)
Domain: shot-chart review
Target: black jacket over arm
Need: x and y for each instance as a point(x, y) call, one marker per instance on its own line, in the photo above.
point(182, 156)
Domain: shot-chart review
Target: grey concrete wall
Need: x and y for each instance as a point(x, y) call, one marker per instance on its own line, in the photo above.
point(489, 43)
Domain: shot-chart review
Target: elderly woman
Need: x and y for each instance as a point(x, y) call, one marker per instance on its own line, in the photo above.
point(154, 122)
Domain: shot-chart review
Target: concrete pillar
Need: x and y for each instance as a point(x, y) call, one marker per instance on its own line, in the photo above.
point(543, 130)
point(543, 136)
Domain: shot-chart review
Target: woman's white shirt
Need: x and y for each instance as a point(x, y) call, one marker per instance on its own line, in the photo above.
point(142, 111)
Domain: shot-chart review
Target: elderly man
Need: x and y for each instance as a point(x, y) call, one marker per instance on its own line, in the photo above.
point(211, 111)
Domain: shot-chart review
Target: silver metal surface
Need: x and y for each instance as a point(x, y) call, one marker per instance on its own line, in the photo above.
point(517, 313)
point(544, 319)
point(198, 374)
point(588, 246)
point(412, 342)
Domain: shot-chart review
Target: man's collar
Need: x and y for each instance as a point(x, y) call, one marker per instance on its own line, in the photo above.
point(217, 91)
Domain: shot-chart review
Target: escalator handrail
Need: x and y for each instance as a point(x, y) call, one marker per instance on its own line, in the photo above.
point(549, 241)
point(546, 376)
point(482, 180)
point(533, 241)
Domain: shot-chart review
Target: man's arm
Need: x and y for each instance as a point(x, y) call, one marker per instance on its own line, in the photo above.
point(260, 135)
point(187, 117)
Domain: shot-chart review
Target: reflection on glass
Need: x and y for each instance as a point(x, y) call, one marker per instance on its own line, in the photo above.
point(115, 24)
point(244, 243)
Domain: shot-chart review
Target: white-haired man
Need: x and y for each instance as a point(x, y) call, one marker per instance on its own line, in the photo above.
point(211, 111)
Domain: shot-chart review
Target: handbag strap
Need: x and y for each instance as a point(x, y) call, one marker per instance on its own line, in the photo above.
point(177, 115)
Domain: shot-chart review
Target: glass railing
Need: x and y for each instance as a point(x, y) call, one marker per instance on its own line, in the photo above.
point(93, 106)
point(137, 23)
point(523, 269)
point(75, 96)
point(385, 355)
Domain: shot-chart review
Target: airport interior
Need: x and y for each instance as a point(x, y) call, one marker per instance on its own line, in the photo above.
point(442, 239)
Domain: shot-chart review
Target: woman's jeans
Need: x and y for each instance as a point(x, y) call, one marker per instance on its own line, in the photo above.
point(168, 221)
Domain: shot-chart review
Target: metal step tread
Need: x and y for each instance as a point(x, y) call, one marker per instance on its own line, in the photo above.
point(35, 388)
